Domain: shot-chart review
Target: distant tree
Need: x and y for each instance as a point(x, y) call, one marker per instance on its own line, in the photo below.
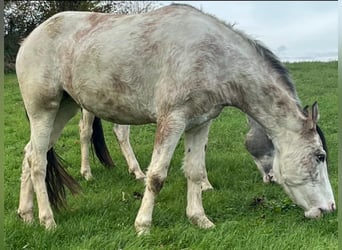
point(127, 7)
point(21, 17)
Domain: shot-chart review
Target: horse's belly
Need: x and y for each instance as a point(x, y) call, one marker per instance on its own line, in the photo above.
point(117, 107)
point(121, 113)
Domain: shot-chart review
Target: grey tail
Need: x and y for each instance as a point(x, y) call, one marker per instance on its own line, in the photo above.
point(100, 146)
point(56, 178)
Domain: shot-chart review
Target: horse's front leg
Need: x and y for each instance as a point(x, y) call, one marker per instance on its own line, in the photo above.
point(25, 210)
point(194, 166)
point(169, 130)
point(86, 131)
point(122, 134)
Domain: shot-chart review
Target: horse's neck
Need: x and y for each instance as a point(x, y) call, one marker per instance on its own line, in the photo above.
point(271, 105)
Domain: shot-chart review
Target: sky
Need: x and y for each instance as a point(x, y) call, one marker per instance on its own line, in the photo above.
point(293, 30)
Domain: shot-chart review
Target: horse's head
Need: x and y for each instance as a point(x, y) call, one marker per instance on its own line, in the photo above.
point(300, 166)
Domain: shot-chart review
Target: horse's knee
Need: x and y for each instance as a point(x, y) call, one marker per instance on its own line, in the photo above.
point(195, 175)
point(193, 169)
point(155, 183)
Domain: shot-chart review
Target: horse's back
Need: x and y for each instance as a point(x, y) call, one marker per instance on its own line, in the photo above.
point(122, 66)
point(87, 38)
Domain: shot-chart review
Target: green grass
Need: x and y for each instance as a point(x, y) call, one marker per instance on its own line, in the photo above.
point(101, 219)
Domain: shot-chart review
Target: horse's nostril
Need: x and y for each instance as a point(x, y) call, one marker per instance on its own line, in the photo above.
point(333, 208)
point(330, 208)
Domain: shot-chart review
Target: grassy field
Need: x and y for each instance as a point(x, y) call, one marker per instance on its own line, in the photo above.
point(248, 213)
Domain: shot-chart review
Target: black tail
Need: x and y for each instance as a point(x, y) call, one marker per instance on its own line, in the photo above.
point(56, 179)
point(99, 143)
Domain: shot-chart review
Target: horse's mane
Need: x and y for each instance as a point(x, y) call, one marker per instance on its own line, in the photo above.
point(272, 60)
point(322, 137)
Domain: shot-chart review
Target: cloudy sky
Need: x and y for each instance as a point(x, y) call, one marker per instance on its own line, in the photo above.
point(295, 31)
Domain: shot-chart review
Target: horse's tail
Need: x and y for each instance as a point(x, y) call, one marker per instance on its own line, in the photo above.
point(56, 178)
point(99, 143)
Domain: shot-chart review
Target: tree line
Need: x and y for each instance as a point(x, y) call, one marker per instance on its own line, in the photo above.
point(21, 17)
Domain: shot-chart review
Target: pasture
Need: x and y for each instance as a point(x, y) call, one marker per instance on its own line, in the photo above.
point(248, 213)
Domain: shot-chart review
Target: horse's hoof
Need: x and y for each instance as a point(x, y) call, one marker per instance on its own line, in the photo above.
point(26, 217)
point(142, 230)
point(202, 222)
point(87, 175)
point(49, 223)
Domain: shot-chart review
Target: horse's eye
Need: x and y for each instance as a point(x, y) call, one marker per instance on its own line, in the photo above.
point(320, 158)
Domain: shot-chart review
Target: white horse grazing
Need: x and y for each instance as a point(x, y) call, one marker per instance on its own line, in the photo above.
point(176, 67)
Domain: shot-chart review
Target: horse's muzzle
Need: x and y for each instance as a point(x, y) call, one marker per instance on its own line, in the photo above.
point(315, 213)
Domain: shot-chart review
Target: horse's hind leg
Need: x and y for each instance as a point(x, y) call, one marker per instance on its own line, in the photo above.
point(67, 110)
point(195, 141)
point(86, 130)
point(122, 134)
point(35, 160)
point(25, 210)
point(45, 129)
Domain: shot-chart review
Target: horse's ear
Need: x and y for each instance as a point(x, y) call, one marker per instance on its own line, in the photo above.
point(315, 113)
point(313, 117)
